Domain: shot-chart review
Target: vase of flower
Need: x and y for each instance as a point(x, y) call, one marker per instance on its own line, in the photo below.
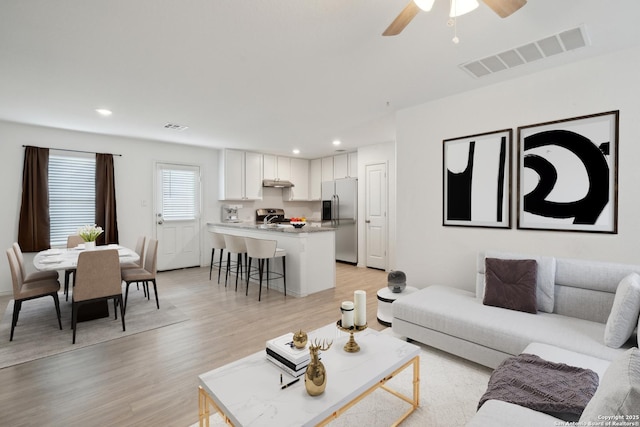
point(89, 234)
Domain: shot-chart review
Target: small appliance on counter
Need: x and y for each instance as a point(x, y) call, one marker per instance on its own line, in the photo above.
point(230, 213)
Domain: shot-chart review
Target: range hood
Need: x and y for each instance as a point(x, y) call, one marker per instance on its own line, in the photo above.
point(277, 183)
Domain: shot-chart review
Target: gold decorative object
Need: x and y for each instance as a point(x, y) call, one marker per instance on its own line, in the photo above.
point(300, 339)
point(351, 346)
point(315, 378)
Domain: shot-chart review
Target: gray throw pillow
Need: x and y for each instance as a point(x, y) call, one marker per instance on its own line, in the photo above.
point(511, 283)
point(624, 313)
point(619, 390)
point(545, 280)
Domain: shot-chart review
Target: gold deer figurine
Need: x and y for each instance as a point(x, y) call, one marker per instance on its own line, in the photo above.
point(315, 378)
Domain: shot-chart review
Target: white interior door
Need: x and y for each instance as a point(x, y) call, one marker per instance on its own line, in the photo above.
point(376, 215)
point(177, 216)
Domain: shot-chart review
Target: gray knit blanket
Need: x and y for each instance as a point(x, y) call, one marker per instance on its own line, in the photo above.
point(557, 389)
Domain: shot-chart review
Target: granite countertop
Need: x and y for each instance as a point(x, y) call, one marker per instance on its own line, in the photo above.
point(276, 228)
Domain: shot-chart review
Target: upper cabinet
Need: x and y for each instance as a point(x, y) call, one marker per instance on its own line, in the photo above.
point(327, 169)
point(299, 169)
point(345, 165)
point(240, 175)
point(276, 167)
point(315, 179)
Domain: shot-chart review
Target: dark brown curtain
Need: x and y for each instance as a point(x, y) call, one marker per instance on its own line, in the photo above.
point(106, 199)
point(33, 226)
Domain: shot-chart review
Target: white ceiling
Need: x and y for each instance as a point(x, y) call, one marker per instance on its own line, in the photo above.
point(268, 75)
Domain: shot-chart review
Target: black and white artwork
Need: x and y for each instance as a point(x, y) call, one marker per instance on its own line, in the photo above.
point(477, 180)
point(567, 174)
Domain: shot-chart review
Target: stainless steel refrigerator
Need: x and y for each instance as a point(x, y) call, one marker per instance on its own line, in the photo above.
point(340, 210)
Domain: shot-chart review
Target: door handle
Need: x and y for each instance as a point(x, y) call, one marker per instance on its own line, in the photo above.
point(368, 221)
point(160, 220)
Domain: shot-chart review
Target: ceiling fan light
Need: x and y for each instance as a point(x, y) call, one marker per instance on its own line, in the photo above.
point(425, 5)
point(460, 7)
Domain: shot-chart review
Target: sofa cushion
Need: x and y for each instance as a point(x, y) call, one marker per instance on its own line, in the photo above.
point(619, 390)
point(545, 280)
point(624, 314)
point(511, 284)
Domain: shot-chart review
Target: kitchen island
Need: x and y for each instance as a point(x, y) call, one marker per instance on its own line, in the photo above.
point(311, 265)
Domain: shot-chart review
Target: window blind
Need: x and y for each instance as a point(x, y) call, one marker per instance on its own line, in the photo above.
point(179, 187)
point(72, 195)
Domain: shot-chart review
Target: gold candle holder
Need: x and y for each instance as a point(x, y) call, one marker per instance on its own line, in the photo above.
point(351, 346)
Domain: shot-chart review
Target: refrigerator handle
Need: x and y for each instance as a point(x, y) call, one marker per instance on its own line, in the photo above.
point(338, 208)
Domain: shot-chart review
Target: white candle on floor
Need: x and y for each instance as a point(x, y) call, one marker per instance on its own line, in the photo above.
point(347, 314)
point(360, 303)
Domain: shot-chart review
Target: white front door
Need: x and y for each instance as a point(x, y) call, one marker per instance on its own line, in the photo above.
point(376, 215)
point(177, 216)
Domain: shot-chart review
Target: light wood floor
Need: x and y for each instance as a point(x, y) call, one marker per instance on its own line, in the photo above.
point(151, 379)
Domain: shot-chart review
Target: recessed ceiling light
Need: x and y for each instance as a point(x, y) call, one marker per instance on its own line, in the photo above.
point(104, 111)
point(296, 151)
point(336, 142)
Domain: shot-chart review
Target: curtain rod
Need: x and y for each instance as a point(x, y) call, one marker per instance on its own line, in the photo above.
point(74, 151)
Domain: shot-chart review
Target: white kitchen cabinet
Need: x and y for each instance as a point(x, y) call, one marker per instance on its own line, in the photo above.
point(269, 166)
point(341, 166)
point(277, 168)
point(353, 164)
point(240, 175)
point(327, 169)
point(284, 168)
point(315, 179)
point(300, 179)
point(345, 165)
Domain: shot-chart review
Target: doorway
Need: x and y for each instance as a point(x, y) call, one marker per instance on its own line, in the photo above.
point(177, 221)
point(376, 215)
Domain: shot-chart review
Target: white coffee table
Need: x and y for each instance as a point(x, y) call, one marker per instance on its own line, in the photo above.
point(248, 392)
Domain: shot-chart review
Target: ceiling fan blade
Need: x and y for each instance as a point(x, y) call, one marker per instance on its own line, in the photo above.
point(402, 20)
point(505, 8)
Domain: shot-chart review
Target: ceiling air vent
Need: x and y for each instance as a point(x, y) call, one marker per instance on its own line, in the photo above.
point(174, 126)
point(530, 52)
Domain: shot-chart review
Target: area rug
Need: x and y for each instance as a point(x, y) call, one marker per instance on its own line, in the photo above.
point(450, 388)
point(37, 334)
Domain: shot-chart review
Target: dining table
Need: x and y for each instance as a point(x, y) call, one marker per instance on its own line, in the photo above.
point(67, 258)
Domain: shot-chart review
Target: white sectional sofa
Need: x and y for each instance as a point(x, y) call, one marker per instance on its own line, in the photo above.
point(574, 299)
point(457, 321)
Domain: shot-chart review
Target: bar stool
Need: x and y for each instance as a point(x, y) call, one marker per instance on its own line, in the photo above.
point(235, 245)
point(264, 250)
point(217, 242)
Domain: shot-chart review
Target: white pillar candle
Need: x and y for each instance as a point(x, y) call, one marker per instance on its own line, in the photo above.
point(347, 314)
point(360, 303)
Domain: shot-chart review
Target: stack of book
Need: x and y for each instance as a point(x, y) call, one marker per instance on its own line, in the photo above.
point(282, 353)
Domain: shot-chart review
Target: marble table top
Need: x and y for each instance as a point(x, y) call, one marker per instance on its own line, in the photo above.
point(249, 390)
point(62, 259)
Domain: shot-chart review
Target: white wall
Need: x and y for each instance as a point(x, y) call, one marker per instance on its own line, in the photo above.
point(134, 180)
point(432, 254)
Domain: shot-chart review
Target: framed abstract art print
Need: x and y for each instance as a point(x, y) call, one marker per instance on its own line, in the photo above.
point(477, 180)
point(567, 174)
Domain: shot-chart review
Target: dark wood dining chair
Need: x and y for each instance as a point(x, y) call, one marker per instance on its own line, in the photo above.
point(97, 278)
point(24, 291)
point(144, 275)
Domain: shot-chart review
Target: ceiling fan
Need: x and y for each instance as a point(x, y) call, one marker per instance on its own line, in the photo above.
point(503, 8)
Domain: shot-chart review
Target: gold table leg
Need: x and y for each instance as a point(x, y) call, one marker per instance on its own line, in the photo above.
point(414, 402)
point(204, 401)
